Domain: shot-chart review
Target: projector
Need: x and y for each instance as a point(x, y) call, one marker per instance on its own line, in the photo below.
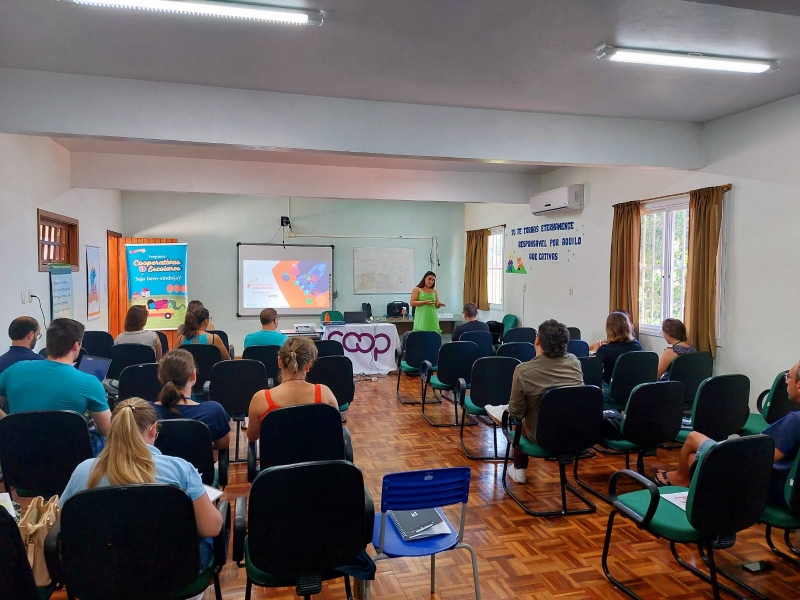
point(305, 327)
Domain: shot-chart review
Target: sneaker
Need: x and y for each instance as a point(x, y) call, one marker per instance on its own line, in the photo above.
point(517, 475)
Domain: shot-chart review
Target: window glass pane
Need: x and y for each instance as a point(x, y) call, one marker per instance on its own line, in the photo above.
point(494, 274)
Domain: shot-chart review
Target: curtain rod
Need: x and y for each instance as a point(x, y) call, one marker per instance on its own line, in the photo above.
point(727, 187)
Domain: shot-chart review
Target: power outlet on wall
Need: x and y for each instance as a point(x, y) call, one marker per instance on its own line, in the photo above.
point(524, 287)
point(570, 290)
point(30, 296)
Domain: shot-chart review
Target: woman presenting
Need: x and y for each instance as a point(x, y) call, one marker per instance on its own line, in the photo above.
point(425, 299)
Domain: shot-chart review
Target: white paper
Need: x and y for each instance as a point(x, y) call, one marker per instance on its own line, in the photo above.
point(677, 498)
point(213, 493)
point(5, 502)
point(496, 412)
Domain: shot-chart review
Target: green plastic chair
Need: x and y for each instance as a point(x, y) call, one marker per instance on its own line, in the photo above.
point(720, 408)
point(509, 322)
point(773, 404)
point(727, 494)
point(333, 315)
point(785, 517)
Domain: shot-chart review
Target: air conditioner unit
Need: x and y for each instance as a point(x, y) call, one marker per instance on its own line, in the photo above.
point(566, 199)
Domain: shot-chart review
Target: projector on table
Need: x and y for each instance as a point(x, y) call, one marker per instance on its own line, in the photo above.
point(305, 327)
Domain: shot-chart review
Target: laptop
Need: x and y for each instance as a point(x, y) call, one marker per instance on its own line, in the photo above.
point(358, 316)
point(95, 365)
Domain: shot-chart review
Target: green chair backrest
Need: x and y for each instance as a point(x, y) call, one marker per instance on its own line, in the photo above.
point(509, 322)
point(334, 315)
point(777, 404)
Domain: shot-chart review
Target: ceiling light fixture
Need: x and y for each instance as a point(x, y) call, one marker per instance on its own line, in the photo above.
point(210, 8)
point(686, 60)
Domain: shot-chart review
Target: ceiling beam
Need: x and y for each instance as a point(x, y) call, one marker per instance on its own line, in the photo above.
point(781, 7)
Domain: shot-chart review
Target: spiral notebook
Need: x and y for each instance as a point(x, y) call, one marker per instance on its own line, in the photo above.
point(418, 524)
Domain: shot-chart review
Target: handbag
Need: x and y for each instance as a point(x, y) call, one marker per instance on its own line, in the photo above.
point(34, 526)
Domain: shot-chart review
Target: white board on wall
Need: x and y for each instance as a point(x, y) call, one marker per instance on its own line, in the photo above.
point(383, 270)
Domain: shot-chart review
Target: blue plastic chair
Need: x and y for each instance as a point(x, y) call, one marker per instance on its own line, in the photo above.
point(578, 347)
point(483, 339)
point(412, 490)
point(522, 351)
point(520, 334)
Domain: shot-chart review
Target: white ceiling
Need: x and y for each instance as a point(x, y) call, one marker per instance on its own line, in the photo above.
point(522, 55)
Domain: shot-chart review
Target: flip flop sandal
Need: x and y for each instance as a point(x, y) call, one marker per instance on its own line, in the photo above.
point(661, 479)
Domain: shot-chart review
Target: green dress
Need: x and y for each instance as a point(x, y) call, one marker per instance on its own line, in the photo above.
point(425, 317)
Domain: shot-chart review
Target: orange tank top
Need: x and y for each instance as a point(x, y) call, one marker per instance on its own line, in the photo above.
point(272, 406)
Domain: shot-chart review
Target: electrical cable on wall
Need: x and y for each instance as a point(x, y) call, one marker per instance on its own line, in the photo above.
point(39, 300)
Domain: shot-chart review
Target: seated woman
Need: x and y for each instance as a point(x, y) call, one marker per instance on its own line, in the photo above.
point(675, 334)
point(130, 457)
point(135, 332)
point(194, 332)
point(294, 359)
point(619, 340)
point(178, 374)
point(192, 307)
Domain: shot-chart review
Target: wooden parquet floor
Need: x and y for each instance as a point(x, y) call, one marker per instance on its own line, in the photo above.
point(519, 556)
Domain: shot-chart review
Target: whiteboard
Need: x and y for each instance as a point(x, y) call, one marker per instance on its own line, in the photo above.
point(383, 270)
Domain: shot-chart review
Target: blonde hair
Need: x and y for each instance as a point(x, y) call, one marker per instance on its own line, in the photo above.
point(296, 353)
point(619, 328)
point(126, 458)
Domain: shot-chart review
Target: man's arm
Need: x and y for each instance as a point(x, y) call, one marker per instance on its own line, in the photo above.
point(103, 420)
point(517, 405)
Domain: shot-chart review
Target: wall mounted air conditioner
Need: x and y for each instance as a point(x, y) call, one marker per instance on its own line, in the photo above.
point(566, 199)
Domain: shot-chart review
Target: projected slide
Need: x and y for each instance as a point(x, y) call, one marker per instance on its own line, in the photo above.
point(295, 280)
point(285, 284)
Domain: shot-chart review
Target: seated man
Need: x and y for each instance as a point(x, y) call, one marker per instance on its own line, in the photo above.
point(24, 333)
point(54, 384)
point(269, 334)
point(551, 367)
point(470, 313)
point(785, 433)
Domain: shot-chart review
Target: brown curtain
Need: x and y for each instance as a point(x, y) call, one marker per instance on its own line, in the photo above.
point(625, 235)
point(476, 287)
point(700, 303)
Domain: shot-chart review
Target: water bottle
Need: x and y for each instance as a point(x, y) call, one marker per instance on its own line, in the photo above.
point(403, 313)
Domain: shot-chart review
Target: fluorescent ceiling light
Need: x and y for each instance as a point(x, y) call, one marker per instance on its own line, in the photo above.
point(686, 60)
point(210, 8)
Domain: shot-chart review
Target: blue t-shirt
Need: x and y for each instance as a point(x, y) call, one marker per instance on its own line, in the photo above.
point(264, 338)
point(785, 433)
point(211, 413)
point(17, 354)
point(169, 469)
point(51, 385)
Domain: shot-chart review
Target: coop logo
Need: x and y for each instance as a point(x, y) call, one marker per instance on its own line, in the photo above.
point(363, 342)
point(137, 251)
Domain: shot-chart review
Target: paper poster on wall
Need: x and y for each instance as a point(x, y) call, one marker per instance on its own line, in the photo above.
point(383, 270)
point(61, 292)
point(92, 283)
point(558, 242)
point(157, 280)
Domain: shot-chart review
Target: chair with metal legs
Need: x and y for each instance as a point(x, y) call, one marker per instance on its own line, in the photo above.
point(454, 362)
point(419, 347)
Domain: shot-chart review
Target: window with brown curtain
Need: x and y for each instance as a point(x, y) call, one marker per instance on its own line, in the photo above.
point(476, 287)
point(58, 240)
point(625, 236)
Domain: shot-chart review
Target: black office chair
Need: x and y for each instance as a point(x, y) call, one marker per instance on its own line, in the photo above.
point(592, 368)
point(785, 516)
point(653, 416)
point(294, 539)
point(16, 576)
point(302, 433)
point(491, 385)
point(191, 440)
point(419, 347)
point(569, 423)
point(454, 362)
point(520, 334)
point(574, 333)
point(132, 542)
point(578, 347)
point(140, 381)
point(97, 343)
point(691, 370)
point(337, 373)
point(126, 355)
point(630, 370)
point(721, 407)
point(224, 337)
point(162, 337)
point(772, 404)
point(483, 339)
point(267, 356)
point(522, 351)
point(329, 348)
point(496, 329)
point(205, 357)
point(233, 383)
point(728, 494)
point(39, 450)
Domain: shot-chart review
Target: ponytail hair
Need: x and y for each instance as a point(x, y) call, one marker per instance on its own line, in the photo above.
point(194, 319)
point(174, 372)
point(296, 353)
point(126, 458)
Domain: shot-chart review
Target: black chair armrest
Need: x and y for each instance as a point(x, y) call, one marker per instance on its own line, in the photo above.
point(207, 390)
point(425, 370)
point(398, 356)
point(224, 535)
point(348, 444)
point(51, 553)
point(760, 401)
point(230, 351)
point(223, 460)
point(508, 420)
point(461, 387)
point(369, 516)
point(252, 459)
point(641, 521)
point(239, 530)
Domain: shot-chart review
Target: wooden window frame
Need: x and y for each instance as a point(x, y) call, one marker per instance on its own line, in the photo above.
point(45, 218)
